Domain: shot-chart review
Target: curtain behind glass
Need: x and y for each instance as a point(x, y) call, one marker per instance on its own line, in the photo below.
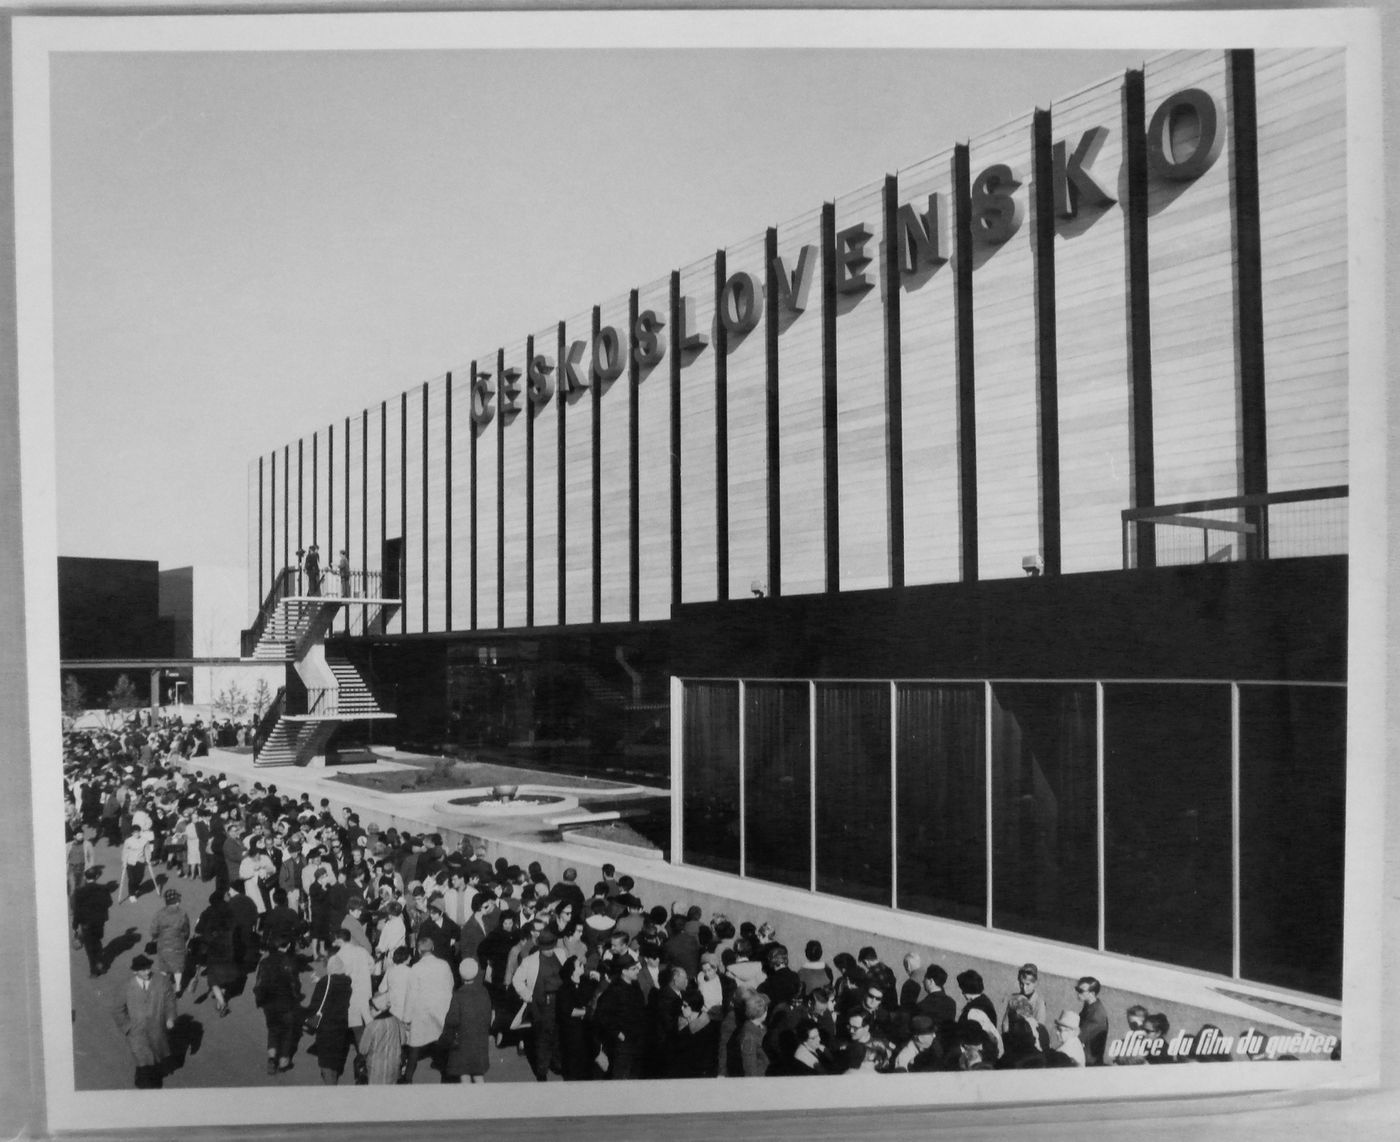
point(853, 791)
point(1167, 874)
point(777, 780)
point(1293, 764)
point(941, 801)
point(710, 769)
point(1045, 811)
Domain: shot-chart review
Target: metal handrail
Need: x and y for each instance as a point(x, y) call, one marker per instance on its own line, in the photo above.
point(1254, 530)
point(281, 588)
point(268, 721)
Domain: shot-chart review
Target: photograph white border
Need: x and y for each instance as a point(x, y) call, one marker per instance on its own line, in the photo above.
point(35, 38)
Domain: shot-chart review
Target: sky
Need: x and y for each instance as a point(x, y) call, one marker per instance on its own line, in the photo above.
point(249, 246)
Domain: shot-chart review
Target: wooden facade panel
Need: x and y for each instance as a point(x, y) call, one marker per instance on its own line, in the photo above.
point(1004, 333)
point(487, 492)
point(1301, 98)
point(545, 478)
point(413, 518)
point(862, 414)
point(1091, 326)
point(437, 505)
point(1195, 384)
point(746, 430)
point(578, 478)
point(615, 433)
point(654, 465)
point(463, 586)
point(699, 517)
point(929, 389)
point(802, 481)
point(514, 503)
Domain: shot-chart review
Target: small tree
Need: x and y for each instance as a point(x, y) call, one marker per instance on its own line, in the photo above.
point(262, 698)
point(232, 703)
point(123, 696)
point(74, 698)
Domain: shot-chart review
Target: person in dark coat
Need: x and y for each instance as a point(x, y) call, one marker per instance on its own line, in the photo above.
point(578, 1045)
point(466, 1029)
point(331, 1044)
point(621, 1020)
point(170, 929)
point(214, 934)
point(92, 904)
point(146, 1016)
point(746, 1055)
point(695, 1047)
point(683, 948)
point(246, 945)
point(278, 992)
point(312, 565)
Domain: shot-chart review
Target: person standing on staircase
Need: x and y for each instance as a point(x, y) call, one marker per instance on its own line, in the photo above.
point(313, 570)
point(342, 567)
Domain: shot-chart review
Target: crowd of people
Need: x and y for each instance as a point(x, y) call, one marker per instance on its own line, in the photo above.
point(384, 952)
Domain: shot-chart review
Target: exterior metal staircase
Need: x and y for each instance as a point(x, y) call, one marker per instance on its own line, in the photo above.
point(321, 692)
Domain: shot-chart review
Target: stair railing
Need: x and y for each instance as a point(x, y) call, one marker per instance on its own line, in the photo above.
point(268, 721)
point(282, 587)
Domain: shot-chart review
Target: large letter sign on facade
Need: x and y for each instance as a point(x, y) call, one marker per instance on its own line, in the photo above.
point(996, 213)
point(793, 289)
point(570, 379)
point(851, 260)
point(482, 392)
point(1073, 185)
point(608, 358)
point(541, 386)
point(919, 240)
point(649, 348)
point(741, 303)
point(510, 391)
point(1171, 124)
point(692, 339)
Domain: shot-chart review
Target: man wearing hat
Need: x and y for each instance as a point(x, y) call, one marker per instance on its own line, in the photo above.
point(145, 1016)
point(537, 981)
point(170, 932)
point(92, 904)
point(923, 1051)
point(1068, 1051)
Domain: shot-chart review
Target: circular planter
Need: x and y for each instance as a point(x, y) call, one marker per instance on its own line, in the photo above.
point(528, 801)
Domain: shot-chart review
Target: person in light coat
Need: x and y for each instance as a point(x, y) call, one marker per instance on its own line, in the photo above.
point(349, 958)
point(429, 996)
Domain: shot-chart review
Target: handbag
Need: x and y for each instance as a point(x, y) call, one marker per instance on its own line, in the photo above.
point(313, 1021)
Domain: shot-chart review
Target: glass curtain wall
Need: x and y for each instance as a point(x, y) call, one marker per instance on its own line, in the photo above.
point(941, 800)
point(853, 791)
point(1167, 824)
point(711, 775)
point(778, 783)
point(916, 792)
point(1045, 810)
point(1292, 835)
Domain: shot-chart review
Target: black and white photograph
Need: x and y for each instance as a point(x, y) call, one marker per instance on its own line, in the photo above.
point(700, 551)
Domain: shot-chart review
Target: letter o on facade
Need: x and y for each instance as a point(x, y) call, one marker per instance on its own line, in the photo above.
point(1171, 122)
point(608, 358)
point(741, 303)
